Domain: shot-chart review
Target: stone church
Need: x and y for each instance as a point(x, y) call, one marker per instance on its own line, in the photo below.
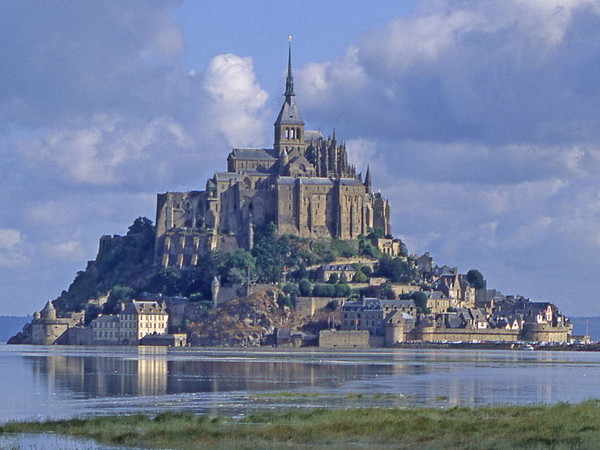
point(304, 185)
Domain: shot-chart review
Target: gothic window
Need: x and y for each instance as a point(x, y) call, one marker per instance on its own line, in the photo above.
point(287, 133)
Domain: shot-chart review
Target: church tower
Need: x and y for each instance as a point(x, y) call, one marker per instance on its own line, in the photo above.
point(289, 126)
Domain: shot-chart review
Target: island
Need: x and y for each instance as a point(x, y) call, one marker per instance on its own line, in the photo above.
point(290, 246)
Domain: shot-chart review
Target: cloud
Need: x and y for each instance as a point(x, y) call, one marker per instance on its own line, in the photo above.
point(12, 255)
point(501, 72)
point(235, 102)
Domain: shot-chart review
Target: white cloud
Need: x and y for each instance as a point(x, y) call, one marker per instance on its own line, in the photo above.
point(12, 254)
point(235, 104)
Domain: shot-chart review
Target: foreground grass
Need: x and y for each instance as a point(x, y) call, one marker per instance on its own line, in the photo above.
point(557, 426)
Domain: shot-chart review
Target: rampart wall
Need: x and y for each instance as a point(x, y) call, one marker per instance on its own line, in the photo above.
point(345, 339)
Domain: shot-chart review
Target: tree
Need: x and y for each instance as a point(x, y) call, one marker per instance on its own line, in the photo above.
point(236, 265)
point(292, 290)
point(305, 287)
point(324, 290)
point(333, 278)
point(359, 277)
point(272, 254)
point(420, 299)
point(376, 233)
point(117, 295)
point(141, 225)
point(396, 269)
point(387, 292)
point(167, 281)
point(476, 279)
point(341, 290)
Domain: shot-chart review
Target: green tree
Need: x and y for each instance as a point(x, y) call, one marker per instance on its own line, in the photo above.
point(387, 292)
point(167, 281)
point(141, 225)
point(420, 299)
point(476, 279)
point(117, 295)
point(333, 278)
point(341, 290)
point(305, 287)
point(236, 265)
point(359, 277)
point(292, 290)
point(324, 290)
point(376, 233)
point(272, 254)
point(396, 269)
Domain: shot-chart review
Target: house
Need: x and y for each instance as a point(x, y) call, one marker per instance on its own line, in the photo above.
point(340, 270)
point(139, 318)
point(106, 330)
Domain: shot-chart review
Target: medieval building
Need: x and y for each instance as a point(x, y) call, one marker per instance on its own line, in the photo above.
point(304, 185)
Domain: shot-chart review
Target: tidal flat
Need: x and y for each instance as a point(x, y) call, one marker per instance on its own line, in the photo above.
point(562, 425)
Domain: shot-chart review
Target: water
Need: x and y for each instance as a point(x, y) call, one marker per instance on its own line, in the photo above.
point(62, 382)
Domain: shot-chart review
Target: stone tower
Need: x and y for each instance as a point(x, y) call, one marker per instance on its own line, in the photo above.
point(289, 126)
point(304, 185)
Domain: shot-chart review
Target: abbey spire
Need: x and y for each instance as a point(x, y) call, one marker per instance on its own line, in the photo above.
point(289, 126)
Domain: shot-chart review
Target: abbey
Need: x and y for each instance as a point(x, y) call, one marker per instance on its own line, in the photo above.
point(304, 184)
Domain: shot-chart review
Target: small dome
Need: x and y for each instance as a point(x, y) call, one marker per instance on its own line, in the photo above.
point(49, 312)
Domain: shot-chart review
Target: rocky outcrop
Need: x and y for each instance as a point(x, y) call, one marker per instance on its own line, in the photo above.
point(246, 322)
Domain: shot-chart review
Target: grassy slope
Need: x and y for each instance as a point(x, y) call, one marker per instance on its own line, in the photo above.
point(557, 426)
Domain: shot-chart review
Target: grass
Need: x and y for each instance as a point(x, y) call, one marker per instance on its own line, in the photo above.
point(557, 426)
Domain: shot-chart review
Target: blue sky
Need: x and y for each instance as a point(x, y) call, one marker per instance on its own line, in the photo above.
point(479, 121)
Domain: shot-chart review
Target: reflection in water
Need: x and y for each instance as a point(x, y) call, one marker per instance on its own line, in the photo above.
point(68, 381)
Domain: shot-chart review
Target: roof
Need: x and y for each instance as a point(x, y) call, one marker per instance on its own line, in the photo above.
point(350, 182)
point(106, 318)
point(345, 267)
point(312, 135)
point(228, 176)
point(289, 113)
point(144, 307)
point(319, 181)
point(258, 154)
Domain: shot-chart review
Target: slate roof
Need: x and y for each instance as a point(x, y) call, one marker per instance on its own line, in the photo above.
point(289, 114)
point(144, 307)
point(315, 181)
point(256, 154)
point(312, 135)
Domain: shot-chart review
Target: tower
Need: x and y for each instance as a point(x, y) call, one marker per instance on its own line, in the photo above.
point(289, 126)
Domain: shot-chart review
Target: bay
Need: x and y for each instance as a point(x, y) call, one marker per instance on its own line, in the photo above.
point(63, 382)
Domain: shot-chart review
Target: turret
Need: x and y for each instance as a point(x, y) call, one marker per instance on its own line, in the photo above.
point(49, 312)
point(368, 184)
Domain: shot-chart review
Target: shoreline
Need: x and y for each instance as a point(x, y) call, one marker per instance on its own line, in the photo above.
point(562, 425)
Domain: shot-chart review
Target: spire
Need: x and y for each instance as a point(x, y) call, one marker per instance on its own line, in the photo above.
point(368, 179)
point(289, 81)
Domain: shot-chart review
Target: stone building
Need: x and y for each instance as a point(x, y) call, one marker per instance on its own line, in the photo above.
point(140, 318)
point(304, 184)
point(48, 329)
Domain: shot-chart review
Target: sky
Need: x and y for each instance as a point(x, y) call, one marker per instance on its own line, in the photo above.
point(480, 122)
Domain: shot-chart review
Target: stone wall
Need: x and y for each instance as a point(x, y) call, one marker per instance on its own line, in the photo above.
point(344, 339)
point(431, 334)
point(542, 332)
point(307, 306)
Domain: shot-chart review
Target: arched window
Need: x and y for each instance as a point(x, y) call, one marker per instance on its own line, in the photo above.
point(287, 133)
